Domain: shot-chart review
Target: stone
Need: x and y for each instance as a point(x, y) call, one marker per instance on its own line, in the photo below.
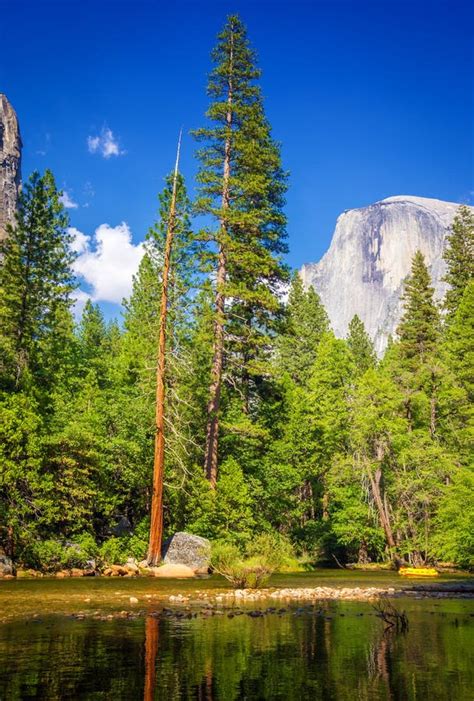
point(122, 527)
point(117, 570)
point(6, 564)
point(173, 571)
point(10, 163)
point(132, 566)
point(370, 256)
point(187, 549)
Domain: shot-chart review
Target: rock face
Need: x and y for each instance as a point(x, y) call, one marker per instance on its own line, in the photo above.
point(370, 256)
point(10, 163)
point(187, 549)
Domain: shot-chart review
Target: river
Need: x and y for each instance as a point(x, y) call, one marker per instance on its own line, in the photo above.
point(85, 639)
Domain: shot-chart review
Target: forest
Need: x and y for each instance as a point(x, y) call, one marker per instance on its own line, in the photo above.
point(272, 425)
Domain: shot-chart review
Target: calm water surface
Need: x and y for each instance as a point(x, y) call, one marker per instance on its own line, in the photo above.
point(331, 651)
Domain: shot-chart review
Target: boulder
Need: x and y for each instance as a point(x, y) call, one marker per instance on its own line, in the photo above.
point(122, 527)
point(131, 566)
point(173, 571)
point(6, 564)
point(187, 549)
point(115, 571)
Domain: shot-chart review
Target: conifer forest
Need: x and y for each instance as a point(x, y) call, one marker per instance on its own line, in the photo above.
point(221, 403)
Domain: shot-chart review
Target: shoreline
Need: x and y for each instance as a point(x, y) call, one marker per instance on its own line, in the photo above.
point(133, 604)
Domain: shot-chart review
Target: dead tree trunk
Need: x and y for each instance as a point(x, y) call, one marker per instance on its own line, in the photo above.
point(156, 524)
point(212, 433)
point(384, 516)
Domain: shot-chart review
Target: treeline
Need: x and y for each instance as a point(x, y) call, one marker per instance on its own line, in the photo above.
point(272, 424)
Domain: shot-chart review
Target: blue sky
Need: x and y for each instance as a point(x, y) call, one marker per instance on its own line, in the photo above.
point(369, 99)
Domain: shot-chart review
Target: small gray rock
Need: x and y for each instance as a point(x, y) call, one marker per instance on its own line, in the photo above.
point(187, 549)
point(122, 527)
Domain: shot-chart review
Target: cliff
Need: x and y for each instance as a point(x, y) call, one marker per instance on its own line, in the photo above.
point(10, 163)
point(370, 256)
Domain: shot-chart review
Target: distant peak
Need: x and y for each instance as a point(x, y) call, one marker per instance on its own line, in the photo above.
point(423, 201)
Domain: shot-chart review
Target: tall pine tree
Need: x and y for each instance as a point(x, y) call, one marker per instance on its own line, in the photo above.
point(36, 282)
point(418, 330)
point(242, 188)
point(305, 323)
point(459, 256)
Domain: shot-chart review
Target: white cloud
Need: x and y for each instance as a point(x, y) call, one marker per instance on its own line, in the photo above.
point(105, 144)
point(80, 299)
point(107, 261)
point(67, 200)
point(80, 242)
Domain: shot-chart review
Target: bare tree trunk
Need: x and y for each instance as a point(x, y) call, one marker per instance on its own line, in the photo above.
point(383, 513)
point(433, 407)
point(156, 523)
point(325, 504)
point(212, 433)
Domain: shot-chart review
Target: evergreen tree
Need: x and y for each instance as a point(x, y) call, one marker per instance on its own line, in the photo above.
point(93, 342)
point(460, 341)
point(242, 187)
point(36, 282)
point(459, 256)
point(418, 330)
point(305, 323)
point(360, 346)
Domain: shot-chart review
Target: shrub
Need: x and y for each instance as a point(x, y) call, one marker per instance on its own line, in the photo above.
point(241, 571)
point(53, 555)
point(252, 568)
point(45, 555)
point(114, 551)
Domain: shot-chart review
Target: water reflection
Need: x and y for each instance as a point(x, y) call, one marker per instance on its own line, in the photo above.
point(152, 624)
point(335, 652)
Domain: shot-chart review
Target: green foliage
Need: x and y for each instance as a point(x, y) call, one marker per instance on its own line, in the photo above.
point(36, 282)
point(305, 323)
point(418, 330)
point(454, 536)
point(251, 567)
point(459, 256)
point(226, 513)
point(360, 346)
point(53, 555)
point(247, 230)
point(460, 341)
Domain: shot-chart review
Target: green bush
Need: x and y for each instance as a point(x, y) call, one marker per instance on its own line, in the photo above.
point(116, 551)
point(45, 555)
point(252, 568)
point(53, 555)
point(277, 551)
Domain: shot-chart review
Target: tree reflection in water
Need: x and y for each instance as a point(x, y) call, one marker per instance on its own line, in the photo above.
point(152, 631)
point(333, 651)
